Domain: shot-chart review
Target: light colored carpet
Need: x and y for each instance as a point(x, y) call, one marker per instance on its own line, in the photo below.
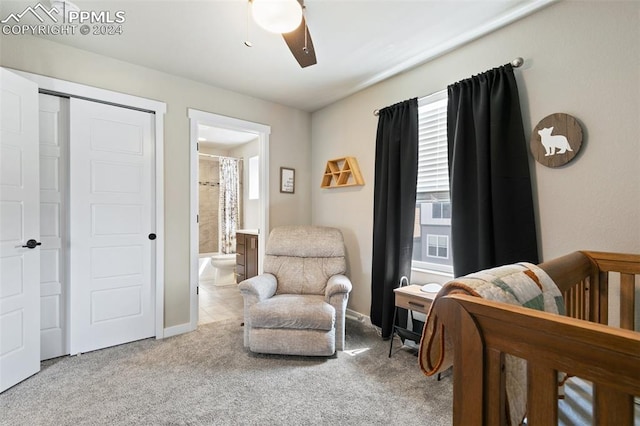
point(207, 378)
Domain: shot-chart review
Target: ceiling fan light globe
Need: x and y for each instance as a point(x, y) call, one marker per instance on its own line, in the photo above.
point(277, 16)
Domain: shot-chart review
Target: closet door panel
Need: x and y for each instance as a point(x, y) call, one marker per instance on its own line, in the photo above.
point(112, 258)
point(19, 222)
point(54, 154)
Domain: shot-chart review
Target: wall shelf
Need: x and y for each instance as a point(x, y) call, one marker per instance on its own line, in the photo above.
point(342, 172)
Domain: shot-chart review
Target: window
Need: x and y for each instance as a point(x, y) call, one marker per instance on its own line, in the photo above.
point(438, 246)
point(432, 230)
point(441, 211)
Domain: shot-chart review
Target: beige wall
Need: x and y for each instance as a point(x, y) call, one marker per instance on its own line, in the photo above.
point(581, 58)
point(289, 140)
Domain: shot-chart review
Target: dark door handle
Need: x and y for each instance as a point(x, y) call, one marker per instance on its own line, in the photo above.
point(152, 236)
point(31, 244)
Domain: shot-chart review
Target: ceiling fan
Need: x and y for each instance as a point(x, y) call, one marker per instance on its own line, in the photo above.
point(286, 17)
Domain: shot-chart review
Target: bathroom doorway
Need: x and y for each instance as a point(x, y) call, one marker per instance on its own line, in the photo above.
point(229, 172)
point(226, 205)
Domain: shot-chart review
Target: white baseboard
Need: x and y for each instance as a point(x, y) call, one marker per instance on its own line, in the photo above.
point(357, 316)
point(177, 329)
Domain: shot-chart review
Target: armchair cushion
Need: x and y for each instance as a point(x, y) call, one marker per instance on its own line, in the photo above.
point(293, 312)
point(303, 275)
point(305, 241)
point(303, 258)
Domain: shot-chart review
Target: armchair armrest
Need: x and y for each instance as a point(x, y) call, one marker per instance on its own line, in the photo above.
point(254, 290)
point(261, 287)
point(337, 295)
point(337, 284)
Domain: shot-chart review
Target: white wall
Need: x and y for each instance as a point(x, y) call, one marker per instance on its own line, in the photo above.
point(289, 140)
point(581, 58)
point(251, 208)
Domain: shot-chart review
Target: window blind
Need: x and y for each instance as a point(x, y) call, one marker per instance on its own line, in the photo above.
point(433, 174)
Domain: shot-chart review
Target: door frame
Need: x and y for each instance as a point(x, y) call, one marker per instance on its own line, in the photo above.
point(54, 86)
point(262, 131)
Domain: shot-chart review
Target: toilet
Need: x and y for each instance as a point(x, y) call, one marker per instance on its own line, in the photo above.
point(224, 268)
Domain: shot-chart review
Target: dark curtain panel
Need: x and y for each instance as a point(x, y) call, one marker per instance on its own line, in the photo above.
point(492, 220)
point(394, 206)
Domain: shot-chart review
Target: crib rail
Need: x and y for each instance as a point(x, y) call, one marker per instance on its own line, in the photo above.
point(482, 332)
point(628, 268)
point(582, 344)
point(584, 278)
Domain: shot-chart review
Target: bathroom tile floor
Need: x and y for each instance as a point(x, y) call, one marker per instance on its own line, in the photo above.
point(219, 303)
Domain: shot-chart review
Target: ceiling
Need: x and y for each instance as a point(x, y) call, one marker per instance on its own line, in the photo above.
point(357, 42)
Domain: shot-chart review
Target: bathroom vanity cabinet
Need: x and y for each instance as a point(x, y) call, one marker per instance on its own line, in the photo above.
point(246, 255)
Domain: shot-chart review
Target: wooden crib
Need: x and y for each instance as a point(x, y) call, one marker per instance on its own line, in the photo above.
point(581, 344)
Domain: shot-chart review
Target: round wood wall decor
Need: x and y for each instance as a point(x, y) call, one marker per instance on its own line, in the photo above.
point(556, 140)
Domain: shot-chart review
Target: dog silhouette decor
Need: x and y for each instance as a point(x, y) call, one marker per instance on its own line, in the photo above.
point(556, 140)
point(553, 142)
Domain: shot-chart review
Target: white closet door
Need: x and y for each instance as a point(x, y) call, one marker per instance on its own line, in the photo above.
point(54, 143)
point(111, 216)
point(19, 223)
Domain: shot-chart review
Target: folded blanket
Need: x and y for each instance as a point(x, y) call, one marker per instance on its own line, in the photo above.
point(521, 284)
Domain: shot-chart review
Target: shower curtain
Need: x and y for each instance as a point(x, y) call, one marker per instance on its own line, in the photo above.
point(229, 204)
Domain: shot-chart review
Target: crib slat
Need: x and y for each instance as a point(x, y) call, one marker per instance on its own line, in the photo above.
point(603, 299)
point(582, 297)
point(627, 300)
point(578, 289)
point(579, 301)
point(594, 298)
point(575, 302)
point(568, 303)
point(611, 407)
point(495, 389)
point(589, 296)
point(542, 395)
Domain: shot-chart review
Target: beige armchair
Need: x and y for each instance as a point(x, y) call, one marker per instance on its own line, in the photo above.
point(297, 306)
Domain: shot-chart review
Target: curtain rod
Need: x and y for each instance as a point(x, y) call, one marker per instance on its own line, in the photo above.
point(516, 63)
point(218, 156)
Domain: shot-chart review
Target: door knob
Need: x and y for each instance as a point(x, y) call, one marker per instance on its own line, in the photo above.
point(31, 244)
point(152, 237)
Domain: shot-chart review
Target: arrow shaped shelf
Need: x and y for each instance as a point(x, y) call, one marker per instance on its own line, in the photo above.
point(342, 172)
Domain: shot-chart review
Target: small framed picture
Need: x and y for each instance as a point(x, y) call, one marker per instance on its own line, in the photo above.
point(287, 180)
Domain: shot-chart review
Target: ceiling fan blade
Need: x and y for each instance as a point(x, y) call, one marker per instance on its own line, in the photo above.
point(301, 47)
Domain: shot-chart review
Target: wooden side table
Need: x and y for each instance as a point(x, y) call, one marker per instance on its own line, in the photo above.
point(412, 298)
